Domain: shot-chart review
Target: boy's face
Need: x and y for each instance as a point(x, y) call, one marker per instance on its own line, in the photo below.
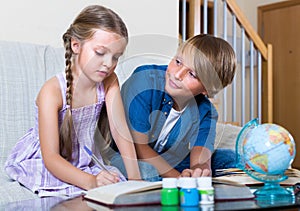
point(181, 80)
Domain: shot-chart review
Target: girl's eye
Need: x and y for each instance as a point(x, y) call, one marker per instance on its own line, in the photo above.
point(116, 58)
point(99, 53)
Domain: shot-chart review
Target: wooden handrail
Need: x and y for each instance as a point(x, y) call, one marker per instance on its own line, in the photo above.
point(240, 17)
point(265, 50)
point(270, 83)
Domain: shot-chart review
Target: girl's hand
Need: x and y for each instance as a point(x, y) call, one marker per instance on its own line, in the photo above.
point(197, 172)
point(107, 177)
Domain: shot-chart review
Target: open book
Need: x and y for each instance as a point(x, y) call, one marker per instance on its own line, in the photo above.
point(126, 193)
point(235, 176)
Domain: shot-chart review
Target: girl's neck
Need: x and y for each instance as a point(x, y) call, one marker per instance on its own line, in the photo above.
point(84, 91)
point(84, 97)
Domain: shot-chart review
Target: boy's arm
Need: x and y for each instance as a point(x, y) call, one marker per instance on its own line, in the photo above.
point(200, 156)
point(147, 154)
point(200, 163)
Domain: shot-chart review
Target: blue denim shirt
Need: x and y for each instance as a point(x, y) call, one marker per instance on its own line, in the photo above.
point(147, 107)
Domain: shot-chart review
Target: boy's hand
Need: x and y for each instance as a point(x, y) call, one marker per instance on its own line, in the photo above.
point(197, 172)
point(171, 173)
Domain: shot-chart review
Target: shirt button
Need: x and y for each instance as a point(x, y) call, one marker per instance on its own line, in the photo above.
point(170, 103)
point(164, 99)
point(152, 136)
point(165, 113)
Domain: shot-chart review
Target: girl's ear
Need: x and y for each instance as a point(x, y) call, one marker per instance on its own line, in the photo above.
point(75, 45)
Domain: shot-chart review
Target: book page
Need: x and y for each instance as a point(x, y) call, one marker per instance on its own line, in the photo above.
point(236, 179)
point(108, 193)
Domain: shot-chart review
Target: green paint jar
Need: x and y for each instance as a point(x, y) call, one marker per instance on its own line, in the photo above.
point(169, 192)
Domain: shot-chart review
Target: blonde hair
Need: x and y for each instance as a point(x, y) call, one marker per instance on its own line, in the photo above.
point(213, 60)
point(83, 27)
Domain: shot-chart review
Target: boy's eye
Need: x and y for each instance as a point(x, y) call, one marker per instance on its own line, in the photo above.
point(192, 74)
point(178, 62)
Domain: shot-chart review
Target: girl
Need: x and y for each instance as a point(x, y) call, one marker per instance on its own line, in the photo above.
point(50, 158)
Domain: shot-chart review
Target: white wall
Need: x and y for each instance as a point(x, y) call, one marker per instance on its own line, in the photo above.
point(44, 22)
point(153, 26)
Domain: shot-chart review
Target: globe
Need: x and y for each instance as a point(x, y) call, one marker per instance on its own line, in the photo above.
point(265, 152)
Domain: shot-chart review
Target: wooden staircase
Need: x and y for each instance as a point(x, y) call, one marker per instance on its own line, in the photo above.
point(242, 100)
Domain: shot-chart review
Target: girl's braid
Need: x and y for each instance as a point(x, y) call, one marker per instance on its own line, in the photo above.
point(67, 125)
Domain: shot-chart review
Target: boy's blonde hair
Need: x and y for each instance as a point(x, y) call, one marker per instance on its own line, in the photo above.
point(213, 59)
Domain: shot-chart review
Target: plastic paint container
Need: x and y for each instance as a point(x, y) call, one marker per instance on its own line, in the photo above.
point(169, 192)
point(189, 195)
point(206, 190)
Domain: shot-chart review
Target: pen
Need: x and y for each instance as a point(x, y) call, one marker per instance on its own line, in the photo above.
point(95, 159)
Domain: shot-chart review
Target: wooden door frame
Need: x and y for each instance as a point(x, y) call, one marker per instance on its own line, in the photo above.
point(265, 8)
point(260, 11)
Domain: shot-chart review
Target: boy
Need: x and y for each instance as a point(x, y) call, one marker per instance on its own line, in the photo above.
point(172, 121)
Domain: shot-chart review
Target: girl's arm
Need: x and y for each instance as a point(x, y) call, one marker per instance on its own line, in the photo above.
point(147, 154)
point(49, 102)
point(119, 127)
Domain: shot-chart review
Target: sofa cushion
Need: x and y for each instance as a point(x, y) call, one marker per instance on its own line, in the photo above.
point(24, 68)
point(226, 135)
point(22, 73)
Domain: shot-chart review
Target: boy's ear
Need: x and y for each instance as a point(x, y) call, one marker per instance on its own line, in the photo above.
point(205, 93)
point(75, 45)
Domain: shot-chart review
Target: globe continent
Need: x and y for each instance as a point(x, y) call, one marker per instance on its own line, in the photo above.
point(269, 149)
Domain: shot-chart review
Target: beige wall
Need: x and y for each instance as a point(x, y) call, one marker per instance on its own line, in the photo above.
point(249, 8)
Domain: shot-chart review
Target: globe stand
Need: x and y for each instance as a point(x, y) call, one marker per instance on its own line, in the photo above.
point(273, 194)
point(273, 190)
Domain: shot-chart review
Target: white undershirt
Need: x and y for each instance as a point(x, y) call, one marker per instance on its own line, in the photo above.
point(164, 133)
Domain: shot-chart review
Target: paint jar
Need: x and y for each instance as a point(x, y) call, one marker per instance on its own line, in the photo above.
point(169, 192)
point(206, 190)
point(189, 195)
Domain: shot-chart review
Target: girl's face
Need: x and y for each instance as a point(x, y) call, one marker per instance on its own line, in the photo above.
point(181, 80)
point(97, 57)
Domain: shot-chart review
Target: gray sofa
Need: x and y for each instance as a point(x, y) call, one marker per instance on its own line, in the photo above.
point(24, 67)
